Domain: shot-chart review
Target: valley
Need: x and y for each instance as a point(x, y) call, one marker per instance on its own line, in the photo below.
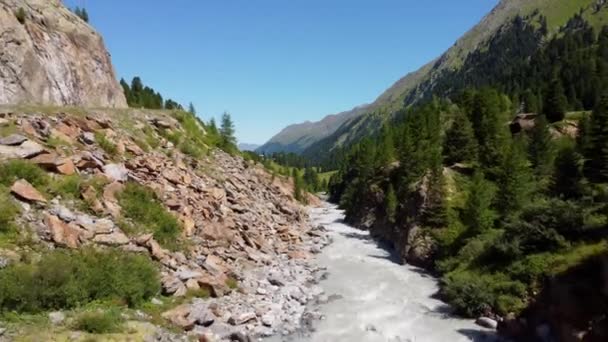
point(468, 202)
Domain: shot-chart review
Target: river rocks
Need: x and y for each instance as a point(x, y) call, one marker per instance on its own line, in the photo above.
point(241, 318)
point(24, 190)
point(486, 322)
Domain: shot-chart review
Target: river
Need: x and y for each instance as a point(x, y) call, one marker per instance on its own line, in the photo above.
point(379, 299)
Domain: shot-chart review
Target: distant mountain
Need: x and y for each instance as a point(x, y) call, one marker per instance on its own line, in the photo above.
point(315, 139)
point(296, 138)
point(248, 147)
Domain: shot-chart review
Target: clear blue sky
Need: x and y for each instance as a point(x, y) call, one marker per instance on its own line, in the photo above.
point(271, 63)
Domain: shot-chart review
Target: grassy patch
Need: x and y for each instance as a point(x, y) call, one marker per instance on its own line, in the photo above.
point(8, 129)
point(8, 212)
point(105, 144)
point(146, 214)
point(232, 283)
point(14, 170)
point(67, 279)
point(99, 321)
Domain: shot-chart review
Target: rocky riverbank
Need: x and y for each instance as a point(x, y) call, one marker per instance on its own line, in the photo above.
point(243, 240)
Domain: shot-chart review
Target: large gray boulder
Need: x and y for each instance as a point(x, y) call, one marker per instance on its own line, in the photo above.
point(53, 57)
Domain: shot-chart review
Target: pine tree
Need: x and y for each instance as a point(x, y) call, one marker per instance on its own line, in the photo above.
point(298, 187)
point(84, 15)
point(435, 212)
point(478, 215)
point(555, 102)
point(530, 102)
point(488, 119)
point(460, 144)
point(191, 108)
point(390, 204)
point(213, 126)
point(514, 180)
point(568, 173)
point(540, 148)
point(228, 141)
point(386, 149)
point(596, 165)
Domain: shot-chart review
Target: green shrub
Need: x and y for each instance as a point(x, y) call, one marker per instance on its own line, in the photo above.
point(105, 144)
point(67, 186)
point(232, 283)
point(147, 215)
point(191, 149)
point(8, 212)
point(21, 15)
point(17, 169)
point(99, 322)
point(67, 279)
point(472, 293)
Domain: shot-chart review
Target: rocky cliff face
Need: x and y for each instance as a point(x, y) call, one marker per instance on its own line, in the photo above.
point(51, 56)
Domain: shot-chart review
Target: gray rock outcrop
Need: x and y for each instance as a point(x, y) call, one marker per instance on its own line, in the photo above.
point(53, 57)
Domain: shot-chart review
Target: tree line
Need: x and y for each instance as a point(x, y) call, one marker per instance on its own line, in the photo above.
point(503, 209)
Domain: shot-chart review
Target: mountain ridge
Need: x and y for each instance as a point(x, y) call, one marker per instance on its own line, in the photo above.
point(406, 91)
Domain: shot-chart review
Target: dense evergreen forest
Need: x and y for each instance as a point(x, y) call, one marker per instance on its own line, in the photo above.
point(495, 210)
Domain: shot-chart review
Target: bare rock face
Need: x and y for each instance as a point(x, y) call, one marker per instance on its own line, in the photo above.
point(53, 57)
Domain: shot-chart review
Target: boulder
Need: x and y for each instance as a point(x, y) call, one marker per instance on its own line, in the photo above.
point(486, 322)
point(179, 316)
point(62, 234)
point(27, 149)
point(241, 318)
point(116, 172)
point(24, 190)
point(87, 138)
point(13, 140)
point(116, 238)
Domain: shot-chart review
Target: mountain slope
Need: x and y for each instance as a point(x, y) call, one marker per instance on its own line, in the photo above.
point(345, 127)
point(295, 138)
point(50, 56)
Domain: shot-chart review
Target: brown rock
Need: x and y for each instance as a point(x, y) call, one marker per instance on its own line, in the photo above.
point(45, 160)
point(52, 162)
point(90, 196)
point(298, 255)
point(192, 284)
point(216, 285)
point(72, 132)
point(26, 191)
point(133, 148)
point(189, 225)
point(172, 176)
point(111, 190)
point(218, 232)
point(116, 238)
point(179, 317)
point(66, 167)
point(61, 233)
